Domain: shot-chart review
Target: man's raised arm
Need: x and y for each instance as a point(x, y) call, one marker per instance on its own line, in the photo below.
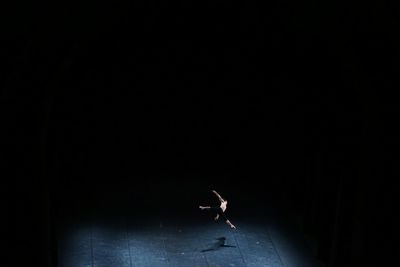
point(219, 197)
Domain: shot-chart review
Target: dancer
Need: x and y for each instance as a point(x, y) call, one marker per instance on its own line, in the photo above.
point(220, 211)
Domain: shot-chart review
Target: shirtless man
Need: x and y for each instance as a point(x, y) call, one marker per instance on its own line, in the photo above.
point(219, 210)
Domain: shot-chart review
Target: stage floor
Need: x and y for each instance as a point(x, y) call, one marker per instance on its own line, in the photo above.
point(127, 241)
point(107, 227)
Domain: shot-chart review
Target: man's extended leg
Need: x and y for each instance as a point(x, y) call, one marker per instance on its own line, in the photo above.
point(230, 224)
point(204, 208)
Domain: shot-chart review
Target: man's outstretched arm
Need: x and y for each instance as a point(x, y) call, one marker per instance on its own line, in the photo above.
point(219, 197)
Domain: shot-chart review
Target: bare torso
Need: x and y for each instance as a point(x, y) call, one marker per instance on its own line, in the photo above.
point(223, 205)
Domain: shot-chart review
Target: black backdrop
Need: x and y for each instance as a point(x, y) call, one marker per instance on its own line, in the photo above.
point(285, 104)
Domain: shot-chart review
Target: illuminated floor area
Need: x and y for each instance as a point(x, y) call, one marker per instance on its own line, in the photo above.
point(127, 242)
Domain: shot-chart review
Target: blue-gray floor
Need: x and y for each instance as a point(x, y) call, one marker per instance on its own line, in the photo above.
point(129, 242)
point(115, 227)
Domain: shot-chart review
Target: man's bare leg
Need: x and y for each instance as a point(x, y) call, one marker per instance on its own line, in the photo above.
point(230, 224)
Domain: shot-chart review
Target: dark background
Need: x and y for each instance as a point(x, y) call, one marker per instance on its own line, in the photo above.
point(288, 105)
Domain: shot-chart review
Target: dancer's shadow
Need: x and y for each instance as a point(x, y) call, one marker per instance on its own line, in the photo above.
point(220, 243)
